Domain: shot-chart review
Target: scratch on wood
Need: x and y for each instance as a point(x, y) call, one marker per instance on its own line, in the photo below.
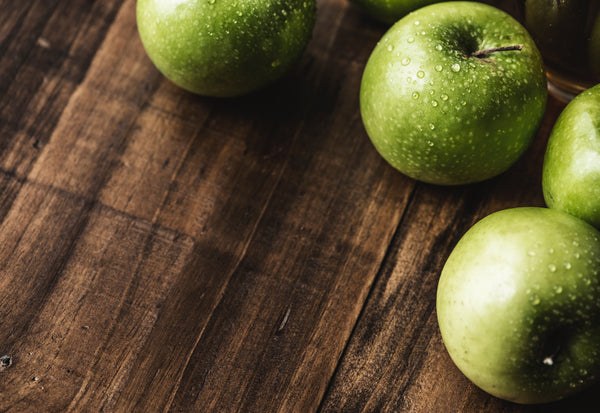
point(5, 362)
point(44, 43)
point(155, 375)
point(285, 319)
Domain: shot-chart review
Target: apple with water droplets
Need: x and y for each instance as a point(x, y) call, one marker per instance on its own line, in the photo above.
point(224, 48)
point(571, 173)
point(518, 304)
point(453, 93)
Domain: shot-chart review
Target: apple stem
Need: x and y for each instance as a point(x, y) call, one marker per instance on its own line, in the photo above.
point(481, 53)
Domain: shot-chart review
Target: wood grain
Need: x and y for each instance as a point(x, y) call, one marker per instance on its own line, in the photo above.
point(167, 252)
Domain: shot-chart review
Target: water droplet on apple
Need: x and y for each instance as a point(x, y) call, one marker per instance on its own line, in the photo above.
point(212, 1)
point(577, 255)
point(417, 23)
point(438, 68)
point(430, 143)
point(405, 61)
point(551, 250)
point(434, 103)
point(431, 126)
point(534, 299)
point(531, 253)
point(420, 74)
point(275, 63)
point(548, 361)
point(438, 47)
point(558, 289)
point(390, 48)
point(455, 67)
point(410, 39)
point(415, 95)
point(567, 265)
point(444, 97)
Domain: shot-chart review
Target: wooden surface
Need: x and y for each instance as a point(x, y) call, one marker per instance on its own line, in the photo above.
point(162, 251)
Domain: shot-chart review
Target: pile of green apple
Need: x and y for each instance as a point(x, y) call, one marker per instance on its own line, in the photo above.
point(452, 94)
point(518, 300)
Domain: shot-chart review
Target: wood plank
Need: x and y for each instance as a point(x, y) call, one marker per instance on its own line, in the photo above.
point(49, 234)
point(109, 287)
point(131, 151)
point(337, 156)
point(273, 340)
point(93, 128)
point(45, 57)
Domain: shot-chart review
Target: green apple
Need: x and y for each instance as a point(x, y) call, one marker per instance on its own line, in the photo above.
point(224, 47)
point(518, 304)
point(390, 11)
point(441, 106)
point(571, 173)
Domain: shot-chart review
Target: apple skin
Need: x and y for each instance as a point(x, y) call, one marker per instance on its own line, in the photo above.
point(571, 172)
point(224, 48)
point(442, 116)
point(389, 11)
point(518, 304)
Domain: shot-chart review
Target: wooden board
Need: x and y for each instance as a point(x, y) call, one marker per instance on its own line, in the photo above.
point(162, 251)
